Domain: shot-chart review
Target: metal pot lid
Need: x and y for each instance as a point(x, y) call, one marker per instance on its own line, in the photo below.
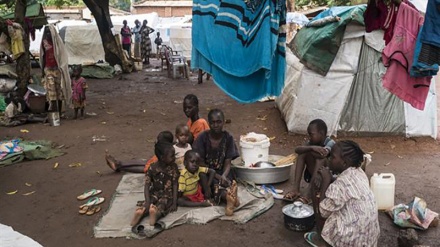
point(37, 89)
point(298, 210)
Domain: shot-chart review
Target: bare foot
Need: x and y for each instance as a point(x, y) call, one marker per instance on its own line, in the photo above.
point(207, 203)
point(234, 188)
point(153, 214)
point(111, 162)
point(138, 214)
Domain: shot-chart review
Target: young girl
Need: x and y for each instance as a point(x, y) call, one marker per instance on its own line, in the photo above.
point(191, 109)
point(347, 208)
point(182, 145)
point(79, 87)
point(160, 189)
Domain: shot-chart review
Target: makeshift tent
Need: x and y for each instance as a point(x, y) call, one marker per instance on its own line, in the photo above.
point(34, 12)
point(350, 98)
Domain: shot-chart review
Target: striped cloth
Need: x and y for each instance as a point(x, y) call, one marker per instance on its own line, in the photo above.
point(242, 45)
point(350, 209)
point(188, 182)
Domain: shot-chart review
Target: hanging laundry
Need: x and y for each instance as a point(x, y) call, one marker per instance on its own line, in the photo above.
point(426, 58)
point(398, 57)
point(382, 14)
point(242, 45)
point(427, 53)
point(16, 33)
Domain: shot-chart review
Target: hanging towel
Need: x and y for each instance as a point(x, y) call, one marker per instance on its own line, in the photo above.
point(398, 57)
point(242, 45)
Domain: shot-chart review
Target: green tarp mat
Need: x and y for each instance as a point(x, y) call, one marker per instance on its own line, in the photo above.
point(34, 12)
point(2, 104)
point(316, 47)
point(32, 150)
point(100, 71)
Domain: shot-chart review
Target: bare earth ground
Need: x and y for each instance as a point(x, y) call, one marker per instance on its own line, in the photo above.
point(131, 110)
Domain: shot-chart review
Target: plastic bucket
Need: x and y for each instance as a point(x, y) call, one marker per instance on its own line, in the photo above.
point(138, 66)
point(254, 151)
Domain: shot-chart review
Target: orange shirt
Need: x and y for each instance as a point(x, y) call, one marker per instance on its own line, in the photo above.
point(152, 160)
point(197, 127)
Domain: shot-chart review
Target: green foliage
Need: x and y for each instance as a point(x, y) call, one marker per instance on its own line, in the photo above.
point(121, 4)
point(60, 3)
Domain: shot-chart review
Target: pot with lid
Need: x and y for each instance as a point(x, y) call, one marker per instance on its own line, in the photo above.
point(298, 216)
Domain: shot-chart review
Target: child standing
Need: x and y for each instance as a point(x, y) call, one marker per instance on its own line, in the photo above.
point(160, 189)
point(311, 156)
point(158, 42)
point(182, 145)
point(79, 87)
point(190, 184)
point(347, 208)
point(126, 37)
point(196, 124)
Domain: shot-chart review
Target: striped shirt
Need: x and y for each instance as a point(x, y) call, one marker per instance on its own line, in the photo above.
point(350, 209)
point(188, 181)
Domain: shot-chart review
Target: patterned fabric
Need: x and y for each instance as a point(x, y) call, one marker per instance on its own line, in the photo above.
point(197, 127)
point(52, 84)
point(145, 42)
point(161, 185)
point(350, 209)
point(215, 158)
point(126, 35)
point(79, 87)
point(188, 182)
point(256, 31)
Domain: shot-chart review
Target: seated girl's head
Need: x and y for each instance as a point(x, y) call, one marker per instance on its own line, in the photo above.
point(191, 105)
point(191, 161)
point(165, 136)
point(345, 154)
point(317, 131)
point(216, 120)
point(165, 152)
point(182, 133)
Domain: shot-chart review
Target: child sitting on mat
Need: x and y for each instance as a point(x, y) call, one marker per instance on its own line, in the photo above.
point(347, 214)
point(190, 185)
point(160, 189)
point(182, 145)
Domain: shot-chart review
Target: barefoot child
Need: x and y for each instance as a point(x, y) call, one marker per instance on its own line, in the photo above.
point(190, 185)
point(347, 210)
point(160, 186)
point(182, 145)
point(137, 166)
point(79, 87)
point(311, 156)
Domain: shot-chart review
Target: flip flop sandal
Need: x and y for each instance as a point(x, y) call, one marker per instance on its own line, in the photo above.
point(93, 201)
point(308, 236)
point(93, 210)
point(83, 209)
point(265, 190)
point(88, 194)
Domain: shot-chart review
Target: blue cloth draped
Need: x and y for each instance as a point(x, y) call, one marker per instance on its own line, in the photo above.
point(242, 45)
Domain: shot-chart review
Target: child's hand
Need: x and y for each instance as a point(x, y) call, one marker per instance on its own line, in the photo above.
point(225, 182)
point(321, 150)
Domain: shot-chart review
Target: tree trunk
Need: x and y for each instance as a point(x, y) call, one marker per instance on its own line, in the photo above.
point(113, 51)
point(23, 62)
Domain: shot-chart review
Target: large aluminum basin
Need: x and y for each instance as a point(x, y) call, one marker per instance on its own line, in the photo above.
point(260, 175)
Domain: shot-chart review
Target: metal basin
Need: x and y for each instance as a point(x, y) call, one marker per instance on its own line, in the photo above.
point(262, 175)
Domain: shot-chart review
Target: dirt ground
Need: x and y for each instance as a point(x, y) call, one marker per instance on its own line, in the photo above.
point(130, 110)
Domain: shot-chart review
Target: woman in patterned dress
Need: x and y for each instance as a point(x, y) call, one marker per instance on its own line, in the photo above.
point(347, 211)
point(146, 42)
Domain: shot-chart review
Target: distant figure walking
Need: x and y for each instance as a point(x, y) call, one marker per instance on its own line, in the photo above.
point(158, 42)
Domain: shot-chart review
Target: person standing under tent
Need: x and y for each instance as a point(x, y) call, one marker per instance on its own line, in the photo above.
point(137, 38)
point(126, 37)
point(146, 42)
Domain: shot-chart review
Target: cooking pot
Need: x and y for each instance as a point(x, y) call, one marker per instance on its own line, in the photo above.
point(298, 217)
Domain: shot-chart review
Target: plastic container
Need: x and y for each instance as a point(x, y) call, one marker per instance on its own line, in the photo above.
point(138, 66)
point(254, 148)
point(383, 187)
point(54, 118)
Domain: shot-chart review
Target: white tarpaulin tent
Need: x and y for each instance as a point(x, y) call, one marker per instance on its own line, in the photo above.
point(350, 98)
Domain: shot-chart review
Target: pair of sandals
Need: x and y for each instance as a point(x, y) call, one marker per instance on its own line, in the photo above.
point(90, 207)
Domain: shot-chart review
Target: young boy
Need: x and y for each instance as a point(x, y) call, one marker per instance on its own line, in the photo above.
point(311, 156)
point(158, 42)
point(182, 145)
point(190, 185)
